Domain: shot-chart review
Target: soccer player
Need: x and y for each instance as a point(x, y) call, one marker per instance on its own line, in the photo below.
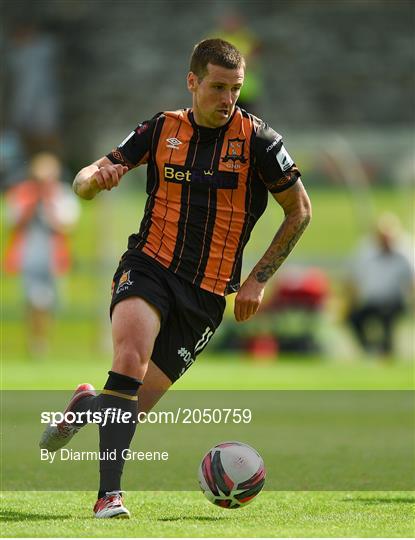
point(209, 170)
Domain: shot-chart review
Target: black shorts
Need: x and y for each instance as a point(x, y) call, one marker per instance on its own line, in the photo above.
point(189, 315)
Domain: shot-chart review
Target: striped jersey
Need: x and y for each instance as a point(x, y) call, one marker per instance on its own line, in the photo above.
point(206, 187)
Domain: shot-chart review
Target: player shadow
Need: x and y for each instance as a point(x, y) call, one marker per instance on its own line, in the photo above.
point(12, 515)
point(195, 518)
point(382, 500)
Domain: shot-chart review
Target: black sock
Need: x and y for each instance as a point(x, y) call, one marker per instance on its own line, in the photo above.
point(120, 393)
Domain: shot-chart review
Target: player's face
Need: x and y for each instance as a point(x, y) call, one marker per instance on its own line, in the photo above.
point(214, 96)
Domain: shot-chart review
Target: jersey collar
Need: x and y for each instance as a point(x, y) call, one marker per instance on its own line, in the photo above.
point(206, 132)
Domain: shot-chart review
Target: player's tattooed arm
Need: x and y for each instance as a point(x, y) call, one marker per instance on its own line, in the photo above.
point(101, 175)
point(297, 209)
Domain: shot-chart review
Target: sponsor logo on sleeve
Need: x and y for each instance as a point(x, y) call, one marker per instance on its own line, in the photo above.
point(274, 143)
point(284, 159)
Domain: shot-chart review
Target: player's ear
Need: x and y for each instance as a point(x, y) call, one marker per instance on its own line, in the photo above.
point(192, 81)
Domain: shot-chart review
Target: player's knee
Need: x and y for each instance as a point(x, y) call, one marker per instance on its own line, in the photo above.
point(130, 361)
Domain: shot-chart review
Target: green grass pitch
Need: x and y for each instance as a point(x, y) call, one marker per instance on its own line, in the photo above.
point(74, 359)
point(189, 514)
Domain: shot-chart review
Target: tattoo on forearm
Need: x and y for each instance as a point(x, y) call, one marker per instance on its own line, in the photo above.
point(281, 246)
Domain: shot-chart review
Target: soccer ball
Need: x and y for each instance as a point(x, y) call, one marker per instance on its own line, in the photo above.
point(231, 474)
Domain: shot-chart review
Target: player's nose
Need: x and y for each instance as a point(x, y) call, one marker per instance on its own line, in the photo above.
point(227, 99)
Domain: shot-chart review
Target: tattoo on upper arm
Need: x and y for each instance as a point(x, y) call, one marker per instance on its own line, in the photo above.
point(281, 246)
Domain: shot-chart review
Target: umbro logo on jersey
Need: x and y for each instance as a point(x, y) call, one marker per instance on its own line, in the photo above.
point(173, 143)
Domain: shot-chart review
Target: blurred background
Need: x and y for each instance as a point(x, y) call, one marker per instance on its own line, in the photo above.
point(336, 78)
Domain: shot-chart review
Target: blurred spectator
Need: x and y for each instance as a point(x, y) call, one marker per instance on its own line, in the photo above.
point(34, 108)
point(298, 300)
point(380, 285)
point(41, 210)
point(233, 29)
point(290, 319)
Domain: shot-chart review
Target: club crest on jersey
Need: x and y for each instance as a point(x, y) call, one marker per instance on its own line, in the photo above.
point(235, 151)
point(124, 282)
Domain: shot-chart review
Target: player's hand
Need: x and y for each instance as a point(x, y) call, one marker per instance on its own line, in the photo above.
point(108, 176)
point(248, 299)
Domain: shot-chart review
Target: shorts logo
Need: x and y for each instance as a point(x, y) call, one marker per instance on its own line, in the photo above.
point(187, 356)
point(235, 151)
point(124, 282)
point(203, 341)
